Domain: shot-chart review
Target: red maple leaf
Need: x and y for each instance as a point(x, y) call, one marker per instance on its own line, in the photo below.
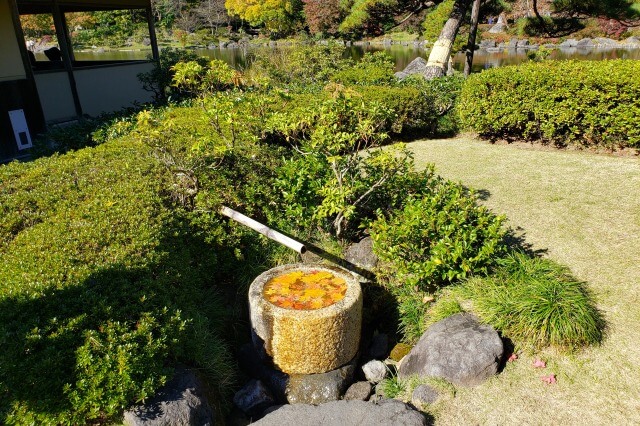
point(550, 379)
point(538, 363)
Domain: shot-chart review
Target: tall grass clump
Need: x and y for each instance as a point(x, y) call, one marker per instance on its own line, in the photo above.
point(535, 302)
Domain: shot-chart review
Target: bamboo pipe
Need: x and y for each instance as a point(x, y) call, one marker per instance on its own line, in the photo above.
point(263, 229)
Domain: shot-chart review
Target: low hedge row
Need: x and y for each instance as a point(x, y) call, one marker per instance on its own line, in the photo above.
point(587, 103)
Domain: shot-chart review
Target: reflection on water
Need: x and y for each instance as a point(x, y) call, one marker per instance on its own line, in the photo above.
point(240, 58)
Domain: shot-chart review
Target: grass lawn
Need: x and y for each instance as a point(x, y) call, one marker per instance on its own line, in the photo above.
point(582, 210)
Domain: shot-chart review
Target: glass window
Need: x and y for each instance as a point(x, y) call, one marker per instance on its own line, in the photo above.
point(108, 35)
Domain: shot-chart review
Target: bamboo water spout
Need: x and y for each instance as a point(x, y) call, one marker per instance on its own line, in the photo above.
point(263, 229)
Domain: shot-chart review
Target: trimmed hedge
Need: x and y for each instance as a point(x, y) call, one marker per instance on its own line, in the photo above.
point(587, 103)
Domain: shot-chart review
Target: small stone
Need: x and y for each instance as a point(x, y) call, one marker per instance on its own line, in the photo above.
point(253, 398)
point(358, 391)
point(424, 395)
point(375, 371)
point(399, 351)
point(319, 388)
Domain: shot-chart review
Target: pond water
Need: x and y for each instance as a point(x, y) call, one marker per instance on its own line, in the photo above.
point(239, 58)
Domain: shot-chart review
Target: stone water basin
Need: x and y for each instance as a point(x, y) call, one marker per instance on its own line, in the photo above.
point(306, 318)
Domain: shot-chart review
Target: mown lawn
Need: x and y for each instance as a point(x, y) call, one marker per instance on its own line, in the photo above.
point(582, 210)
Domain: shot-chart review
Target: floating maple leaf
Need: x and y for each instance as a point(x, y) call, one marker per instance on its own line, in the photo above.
point(512, 357)
point(550, 379)
point(538, 363)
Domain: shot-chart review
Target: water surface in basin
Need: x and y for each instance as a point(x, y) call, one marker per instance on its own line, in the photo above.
point(305, 290)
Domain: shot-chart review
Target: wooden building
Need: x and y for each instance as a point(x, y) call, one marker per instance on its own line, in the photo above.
point(37, 92)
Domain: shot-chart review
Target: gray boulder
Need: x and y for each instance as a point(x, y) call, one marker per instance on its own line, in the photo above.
point(180, 402)
point(358, 391)
point(513, 43)
point(486, 44)
point(345, 413)
point(500, 27)
point(458, 349)
point(632, 41)
point(424, 395)
point(572, 42)
point(253, 398)
point(361, 253)
point(522, 44)
point(375, 371)
point(605, 42)
point(585, 43)
point(417, 66)
point(319, 388)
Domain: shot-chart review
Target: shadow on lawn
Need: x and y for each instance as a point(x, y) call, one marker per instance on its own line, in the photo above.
point(40, 336)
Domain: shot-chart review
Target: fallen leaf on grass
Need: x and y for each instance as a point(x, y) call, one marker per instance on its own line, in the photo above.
point(550, 379)
point(538, 363)
point(512, 357)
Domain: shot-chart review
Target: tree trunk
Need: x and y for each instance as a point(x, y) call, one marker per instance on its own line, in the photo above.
point(537, 13)
point(471, 44)
point(441, 50)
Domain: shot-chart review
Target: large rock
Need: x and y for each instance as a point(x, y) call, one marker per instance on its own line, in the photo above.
point(605, 42)
point(458, 349)
point(417, 66)
point(572, 42)
point(361, 253)
point(632, 41)
point(319, 388)
point(180, 402)
point(585, 43)
point(487, 44)
point(498, 28)
point(345, 413)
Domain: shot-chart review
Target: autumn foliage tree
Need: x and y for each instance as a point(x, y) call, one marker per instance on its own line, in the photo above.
point(279, 16)
point(323, 16)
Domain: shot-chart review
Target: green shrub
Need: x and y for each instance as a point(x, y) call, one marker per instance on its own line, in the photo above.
point(586, 103)
point(159, 80)
point(440, 236)
point(374, 68)
point(302, 67)
point(535, 302)
point(102, 286)
point(436, 19)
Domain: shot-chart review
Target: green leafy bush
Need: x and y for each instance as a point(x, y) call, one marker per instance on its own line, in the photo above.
point(535, 302)
point(374, 68)
point(586, 103)
point(160, 79)
point(440, 236)
point(305, 68)
point(102, 285)
point(436, 19)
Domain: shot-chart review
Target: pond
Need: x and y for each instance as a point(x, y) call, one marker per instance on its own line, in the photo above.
point(402, 55)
